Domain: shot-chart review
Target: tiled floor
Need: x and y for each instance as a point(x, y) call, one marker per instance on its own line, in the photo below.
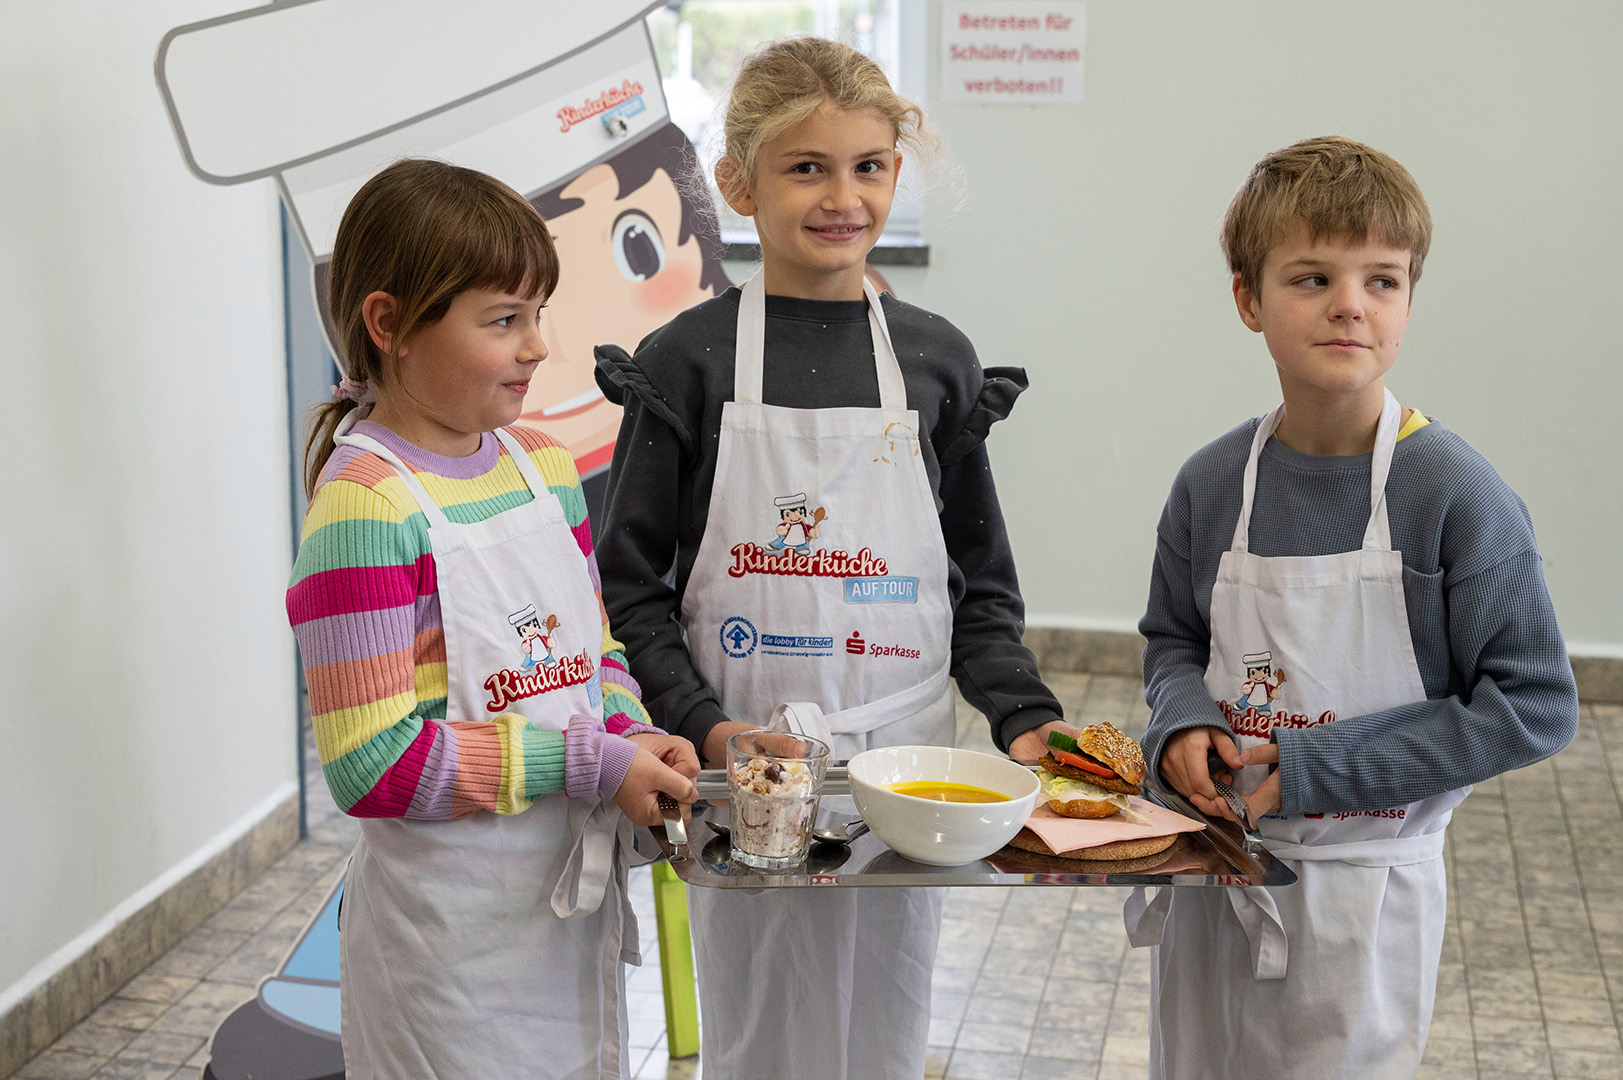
point(1530, 986)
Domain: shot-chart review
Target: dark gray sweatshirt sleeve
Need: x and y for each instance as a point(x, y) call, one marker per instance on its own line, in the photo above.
point(995, 671)
point(1514, 702)
point(1177, 643)
point(637, 552)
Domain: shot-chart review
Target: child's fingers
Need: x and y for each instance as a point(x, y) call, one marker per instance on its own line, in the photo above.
point(1217, 808)
point(1227, 750)
point(672, 750)
point(1189, 757)
point(681, 757)
point(1261, 754)
point(1032, 745)
point(647, 777)
point(675, 785)
point(1266, 799)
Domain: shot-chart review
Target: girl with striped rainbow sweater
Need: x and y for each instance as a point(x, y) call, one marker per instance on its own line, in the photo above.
point(485, 920)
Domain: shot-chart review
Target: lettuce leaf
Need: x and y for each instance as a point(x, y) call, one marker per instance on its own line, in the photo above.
point(1064, 789)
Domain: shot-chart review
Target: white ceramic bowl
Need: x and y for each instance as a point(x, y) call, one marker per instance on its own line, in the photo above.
point(941, 833)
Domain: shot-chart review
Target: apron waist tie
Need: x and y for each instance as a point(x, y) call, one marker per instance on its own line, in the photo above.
point(1397, 851)
point(593, 874)
point(595, 827)
point(1254, 905)
point(808, 718)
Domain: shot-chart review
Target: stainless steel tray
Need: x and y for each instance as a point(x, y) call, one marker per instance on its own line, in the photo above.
point(1221, 855)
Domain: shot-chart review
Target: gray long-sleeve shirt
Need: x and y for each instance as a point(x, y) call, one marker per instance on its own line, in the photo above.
point(1499, 687)
point(819, 354)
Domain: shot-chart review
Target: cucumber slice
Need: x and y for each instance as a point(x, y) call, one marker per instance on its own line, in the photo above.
point(1061, 741)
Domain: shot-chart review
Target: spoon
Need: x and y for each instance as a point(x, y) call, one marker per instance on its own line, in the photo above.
point(838, 834)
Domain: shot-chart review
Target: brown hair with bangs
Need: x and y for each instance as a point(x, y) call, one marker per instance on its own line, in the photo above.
point(423, 231)
point(1337, 188)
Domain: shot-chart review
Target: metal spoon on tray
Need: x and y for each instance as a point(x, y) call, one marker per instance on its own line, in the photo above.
point(839, 834)
point(843, 832)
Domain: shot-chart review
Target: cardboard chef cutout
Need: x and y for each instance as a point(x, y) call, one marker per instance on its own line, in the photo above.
point(562, 101)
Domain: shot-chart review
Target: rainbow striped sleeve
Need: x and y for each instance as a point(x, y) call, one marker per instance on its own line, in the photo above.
point(364, 605)
point(622, 697)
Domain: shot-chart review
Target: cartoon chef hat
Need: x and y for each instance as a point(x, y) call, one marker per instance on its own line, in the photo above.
point(790, 502)
point(324, 95)
point(519, 618)
point(1258, 659)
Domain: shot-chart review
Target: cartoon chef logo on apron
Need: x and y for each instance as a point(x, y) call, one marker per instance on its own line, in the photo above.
point(794, 531)
point(790, 552)
point(1253, 713)
point(543, 670)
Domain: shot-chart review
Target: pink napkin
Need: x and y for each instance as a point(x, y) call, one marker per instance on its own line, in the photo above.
point(1067, 834)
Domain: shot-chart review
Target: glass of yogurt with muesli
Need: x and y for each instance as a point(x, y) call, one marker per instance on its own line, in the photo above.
point(775, 779)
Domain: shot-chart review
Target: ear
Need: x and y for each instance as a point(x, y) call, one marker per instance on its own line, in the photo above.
point(895, 171)
point(379, 311)
point(1247, 303)
point(730, 181)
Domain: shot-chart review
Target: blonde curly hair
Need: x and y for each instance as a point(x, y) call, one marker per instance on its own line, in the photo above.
point(784, 82)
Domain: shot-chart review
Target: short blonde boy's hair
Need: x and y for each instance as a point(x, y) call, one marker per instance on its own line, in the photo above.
point(1337, 188)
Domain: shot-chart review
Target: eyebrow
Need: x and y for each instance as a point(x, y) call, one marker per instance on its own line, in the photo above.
point(1313, 264)
point(515, 302)
point(819, 155)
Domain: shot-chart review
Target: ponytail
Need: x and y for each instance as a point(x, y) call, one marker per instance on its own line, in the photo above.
point(320, 425)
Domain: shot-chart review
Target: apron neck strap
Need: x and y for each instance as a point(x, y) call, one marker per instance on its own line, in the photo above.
point(749, 361)
point(1378, 533)
point(521, 458)
point(431, 509)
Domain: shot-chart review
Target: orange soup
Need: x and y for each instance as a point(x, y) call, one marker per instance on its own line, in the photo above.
point(944, 792)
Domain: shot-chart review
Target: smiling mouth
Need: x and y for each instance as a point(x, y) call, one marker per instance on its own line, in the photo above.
point(836, 232)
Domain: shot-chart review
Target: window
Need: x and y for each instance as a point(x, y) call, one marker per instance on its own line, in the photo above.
point(700, 43)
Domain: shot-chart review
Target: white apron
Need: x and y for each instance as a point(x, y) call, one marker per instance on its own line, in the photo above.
point(491, 945)
point(1332, 977)
point(853, 630)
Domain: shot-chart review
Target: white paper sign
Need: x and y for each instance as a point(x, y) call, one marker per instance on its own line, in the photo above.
point(1012, 52)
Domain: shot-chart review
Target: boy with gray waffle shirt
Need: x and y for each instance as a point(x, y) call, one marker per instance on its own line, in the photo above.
point(1348, 619)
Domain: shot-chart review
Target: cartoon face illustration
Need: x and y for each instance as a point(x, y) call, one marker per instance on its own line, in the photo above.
point(634, 252)
point(796, 530)
point(1261, 686)
point(535, 636)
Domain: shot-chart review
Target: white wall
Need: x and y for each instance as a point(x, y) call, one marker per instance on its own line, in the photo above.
point(144, 521)
point(1085, 251)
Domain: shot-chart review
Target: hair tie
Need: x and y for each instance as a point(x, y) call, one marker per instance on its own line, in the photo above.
point(357, 390)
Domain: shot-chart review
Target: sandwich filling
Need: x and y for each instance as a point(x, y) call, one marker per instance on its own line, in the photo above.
point(1064, 789)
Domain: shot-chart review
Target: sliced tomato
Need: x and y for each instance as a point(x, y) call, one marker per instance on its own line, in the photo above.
point(1066, 758)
